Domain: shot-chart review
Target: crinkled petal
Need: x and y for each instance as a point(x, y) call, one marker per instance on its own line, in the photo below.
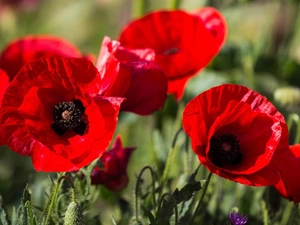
point(4, 81)
point(214, 22)
point(29, 48)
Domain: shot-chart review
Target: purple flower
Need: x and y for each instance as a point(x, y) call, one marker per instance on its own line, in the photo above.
point(237, 219)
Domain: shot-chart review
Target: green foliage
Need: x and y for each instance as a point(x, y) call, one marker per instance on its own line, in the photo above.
point(165, 212)
point(3, 215)
point(24, 214)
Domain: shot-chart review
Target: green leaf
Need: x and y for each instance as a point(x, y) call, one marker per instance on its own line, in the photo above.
point(21, 217)
point(150, 216)
point(166, 211)
point(3, 215)
point(192, 178)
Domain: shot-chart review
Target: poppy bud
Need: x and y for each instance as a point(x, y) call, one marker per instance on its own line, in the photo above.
point(74, 214)
point(111, 168)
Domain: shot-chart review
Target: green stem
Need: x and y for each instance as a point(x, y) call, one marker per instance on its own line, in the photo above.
point(174, 4)
point(175, 205)
point(176, 137)
point(265, 213)
point(139, 8)
point(53, 198)
point(29, 213)
point(188, 159)
point(297, 138)
point(295, 215)
point(54, 193)
point(170, 156)
point(73, 194)
point(287, 214)
point(248, 70)
point(292, 118)
point(202, 197)
point(137, 187)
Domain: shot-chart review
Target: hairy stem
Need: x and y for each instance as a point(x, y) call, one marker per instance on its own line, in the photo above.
point(202, 197)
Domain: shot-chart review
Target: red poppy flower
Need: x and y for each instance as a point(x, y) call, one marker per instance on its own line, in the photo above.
point(3, 85)
point(236, 134)
point(132, 74)
point(183, 43)
point(4, 81)
point(112, 169)
point(289, 184)
point(52, 113)
point(25, 50)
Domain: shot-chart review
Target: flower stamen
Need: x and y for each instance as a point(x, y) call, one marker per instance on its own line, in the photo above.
point(224, 150)
point(69, 116)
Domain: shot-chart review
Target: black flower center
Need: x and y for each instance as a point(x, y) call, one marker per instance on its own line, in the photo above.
point(69, 116)
point(224, 150)
point(171, 51)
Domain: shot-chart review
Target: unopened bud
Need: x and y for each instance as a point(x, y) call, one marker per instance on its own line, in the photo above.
point(74, 214)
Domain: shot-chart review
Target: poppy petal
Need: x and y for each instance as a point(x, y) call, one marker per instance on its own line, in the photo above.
point(147, 91)
point(288, 186)
point(29, 48)
point(214, 22)
point(4, 81)
point(107, 64)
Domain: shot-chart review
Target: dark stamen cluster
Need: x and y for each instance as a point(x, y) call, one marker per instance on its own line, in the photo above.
point(224, 150)
point(171, 51)
point(69, 116)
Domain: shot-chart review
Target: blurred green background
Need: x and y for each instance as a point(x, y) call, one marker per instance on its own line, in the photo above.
point(262, 51)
